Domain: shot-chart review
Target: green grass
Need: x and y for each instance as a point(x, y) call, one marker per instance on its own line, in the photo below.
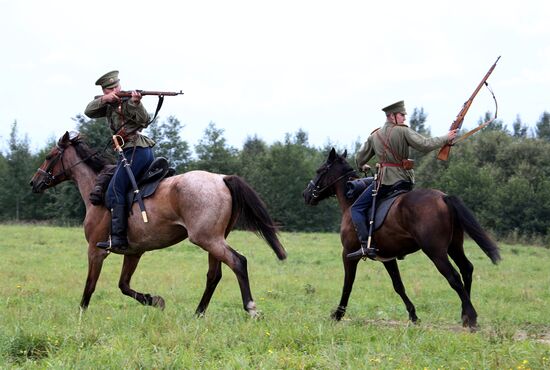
point(43, 270)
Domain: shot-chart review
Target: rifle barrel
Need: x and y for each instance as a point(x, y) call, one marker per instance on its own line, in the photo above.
point(147, 92)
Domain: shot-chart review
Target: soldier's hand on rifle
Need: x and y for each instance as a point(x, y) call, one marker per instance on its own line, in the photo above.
point(452, 135)
point(110, 97)
point(136, 97)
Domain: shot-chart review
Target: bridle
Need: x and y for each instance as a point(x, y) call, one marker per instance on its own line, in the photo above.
point(316, 190)
point(48, 172)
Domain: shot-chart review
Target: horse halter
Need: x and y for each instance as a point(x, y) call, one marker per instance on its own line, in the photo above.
point(48, 172)
point(50, 177)
point(316, 190)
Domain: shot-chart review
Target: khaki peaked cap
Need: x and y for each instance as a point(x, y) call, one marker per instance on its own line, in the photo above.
point(398, 107)
point(108, 80)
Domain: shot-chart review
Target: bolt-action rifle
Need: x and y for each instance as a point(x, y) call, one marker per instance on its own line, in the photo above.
point(128, 94)
point(125, 95)
point(457, 124)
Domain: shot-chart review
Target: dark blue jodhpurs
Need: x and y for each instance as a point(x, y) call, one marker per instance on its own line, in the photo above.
point(140, 160)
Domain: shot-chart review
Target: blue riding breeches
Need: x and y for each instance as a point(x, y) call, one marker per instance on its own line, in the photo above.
point(140, 159)
point(361, 205)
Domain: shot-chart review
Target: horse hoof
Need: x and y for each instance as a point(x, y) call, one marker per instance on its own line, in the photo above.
point(338, 313)
point(468, 322)
point(256, 315)
point(158, 302)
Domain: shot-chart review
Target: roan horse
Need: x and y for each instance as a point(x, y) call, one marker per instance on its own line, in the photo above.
point(423, 219)
point(198, 205)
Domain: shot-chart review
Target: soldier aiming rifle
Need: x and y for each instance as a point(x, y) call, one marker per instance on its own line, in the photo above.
point(126, 116)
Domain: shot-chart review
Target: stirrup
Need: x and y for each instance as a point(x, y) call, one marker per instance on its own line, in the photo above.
point(362, 252)
point(109, 245)
point(104, 245)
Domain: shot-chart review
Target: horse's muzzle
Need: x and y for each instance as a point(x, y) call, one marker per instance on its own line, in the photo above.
point(310, 194)
point(38, 185)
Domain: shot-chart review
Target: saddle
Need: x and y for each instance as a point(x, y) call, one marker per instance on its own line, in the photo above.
point(150, 180)
point(147, 183)
point(356, 187)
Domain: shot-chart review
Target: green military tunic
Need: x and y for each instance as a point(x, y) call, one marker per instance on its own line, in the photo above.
point(134, 117)
point(399, 138)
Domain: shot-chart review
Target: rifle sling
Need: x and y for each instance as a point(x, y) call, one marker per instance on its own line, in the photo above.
point(483, 125)
point(159, 105)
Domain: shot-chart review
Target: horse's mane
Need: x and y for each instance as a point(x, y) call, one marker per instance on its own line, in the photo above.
point(347, 166)
point(91, 157)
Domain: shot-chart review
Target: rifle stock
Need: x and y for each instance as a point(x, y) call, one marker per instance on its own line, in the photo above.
point(445, 150)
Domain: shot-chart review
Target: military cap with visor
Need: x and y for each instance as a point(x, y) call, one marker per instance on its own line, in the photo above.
point(108, 80)
point(398, 107)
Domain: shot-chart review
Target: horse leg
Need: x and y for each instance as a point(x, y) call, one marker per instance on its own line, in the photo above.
point(213, 277)
point(239, 266)
point(128, 268)
point(95, 263)
point(469, 314)
point(237, 263)
point(393, 270)
point(464, 265)
point(350, 270)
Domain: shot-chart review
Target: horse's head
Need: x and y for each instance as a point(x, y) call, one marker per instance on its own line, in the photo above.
point(335, 169)
point(55, 168)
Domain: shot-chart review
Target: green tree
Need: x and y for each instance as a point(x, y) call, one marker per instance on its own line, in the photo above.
point(496, 125)
point(417, 121)
point(542, 129)
point(169, 143)
point(97, 134)
point(18, 169)
point(214, 154)
point(251, 159)
point(519, 129)
point(288, 168)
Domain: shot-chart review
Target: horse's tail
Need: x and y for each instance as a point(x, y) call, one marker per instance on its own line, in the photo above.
point(252, 213)
point(472, 227)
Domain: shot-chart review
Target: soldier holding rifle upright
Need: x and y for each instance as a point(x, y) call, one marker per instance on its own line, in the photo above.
point(126, 118)
point(390, 144)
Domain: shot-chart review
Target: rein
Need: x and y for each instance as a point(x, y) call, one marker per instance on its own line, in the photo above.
point(316, 190)
point(48, 172)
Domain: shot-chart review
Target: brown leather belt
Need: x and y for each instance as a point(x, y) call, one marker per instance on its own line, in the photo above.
point(389, 164)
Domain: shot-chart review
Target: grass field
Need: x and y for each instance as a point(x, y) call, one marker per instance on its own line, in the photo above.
point(43, 270)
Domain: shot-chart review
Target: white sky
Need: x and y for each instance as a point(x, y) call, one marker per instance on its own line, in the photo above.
point(270, 68)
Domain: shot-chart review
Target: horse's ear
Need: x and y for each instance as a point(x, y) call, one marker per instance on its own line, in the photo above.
point(63, 140)
point(74, 135)
point(345, 154)
point(332, 155)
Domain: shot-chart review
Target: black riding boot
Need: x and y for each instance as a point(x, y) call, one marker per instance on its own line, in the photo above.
point(119, 225)
point(365, 250)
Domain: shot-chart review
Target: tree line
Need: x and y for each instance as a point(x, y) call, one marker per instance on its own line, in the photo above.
point(502, 174)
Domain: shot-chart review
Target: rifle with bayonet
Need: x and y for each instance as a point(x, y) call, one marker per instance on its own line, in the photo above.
point(457, 124)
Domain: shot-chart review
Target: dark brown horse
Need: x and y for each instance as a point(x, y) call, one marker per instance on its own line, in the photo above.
point(198, 205)
point(423, 219)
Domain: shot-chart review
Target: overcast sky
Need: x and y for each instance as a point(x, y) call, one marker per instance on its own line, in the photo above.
point(271, 68)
